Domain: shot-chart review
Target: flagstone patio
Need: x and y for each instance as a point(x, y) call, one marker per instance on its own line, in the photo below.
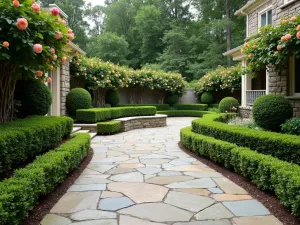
point(142, 177)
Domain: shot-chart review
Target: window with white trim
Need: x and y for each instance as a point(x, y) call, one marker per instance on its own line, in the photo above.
point(265, 18)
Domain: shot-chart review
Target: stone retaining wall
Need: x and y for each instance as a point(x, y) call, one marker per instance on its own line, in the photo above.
point(131, 123)
point(245, 112)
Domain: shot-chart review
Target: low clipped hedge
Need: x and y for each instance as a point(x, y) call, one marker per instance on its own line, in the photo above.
point(200, 107)
point(23, 139)
point(267, 172)
point(19, 194)
point(102, 114)
point(110, 127)
point(213, 106)
point(283, 146)
point(159, 107)
point(183, 113)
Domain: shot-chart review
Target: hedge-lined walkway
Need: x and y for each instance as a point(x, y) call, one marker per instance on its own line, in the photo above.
point(142, 177)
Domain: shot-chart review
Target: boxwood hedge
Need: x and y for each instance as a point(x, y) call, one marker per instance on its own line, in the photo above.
point(159, 107)
point(183, 113)
point(267, 172)
point(19, 194)
point(283, 146)
point(22, 140)
point(200, 107)
point(102, 114)
point(108, 127)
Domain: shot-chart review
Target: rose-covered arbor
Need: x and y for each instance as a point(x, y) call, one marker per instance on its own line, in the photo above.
point(31, 43)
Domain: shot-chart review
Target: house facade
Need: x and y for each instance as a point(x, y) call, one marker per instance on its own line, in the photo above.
point(60, 85)
point(268, 81)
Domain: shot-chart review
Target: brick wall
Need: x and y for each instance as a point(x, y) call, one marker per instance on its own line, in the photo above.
point(64, 86)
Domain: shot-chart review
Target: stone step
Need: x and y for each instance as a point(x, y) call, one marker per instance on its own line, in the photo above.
point(93, 135)
point(75, 129)
point(83, 131)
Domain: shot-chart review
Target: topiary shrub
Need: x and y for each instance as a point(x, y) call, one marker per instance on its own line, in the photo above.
point(172, 99)
point(112, 97)
point(228, 104)
point(34, 97)
point(291, 126)
point(207, 98)
point(78, 98)
point(271, 111)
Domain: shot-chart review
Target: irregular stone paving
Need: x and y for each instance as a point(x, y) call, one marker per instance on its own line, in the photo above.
point(142, 177)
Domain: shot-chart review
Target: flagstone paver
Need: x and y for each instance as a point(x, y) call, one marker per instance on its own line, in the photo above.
point(142, 177)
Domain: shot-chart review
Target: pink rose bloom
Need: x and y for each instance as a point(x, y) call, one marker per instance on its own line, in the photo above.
point(64, 22)
point(52, 50)
point(288, 37)
point(70, 31)
point(64, 59)
point(71, 36)
point(54, 11)
point(49, 80)
point(58, 35)
point(54, 57)
point(22, 24)
point(37, 48)
point(38, 73)
point(36, 7)
point(298, 35)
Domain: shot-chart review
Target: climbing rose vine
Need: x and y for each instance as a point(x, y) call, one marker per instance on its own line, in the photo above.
point(274, 45)
point(31, 43)
point(221, 79)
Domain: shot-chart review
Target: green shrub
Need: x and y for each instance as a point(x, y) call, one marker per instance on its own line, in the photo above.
point(267, 172)
point(23, 139)
point(213, 106)
point(78, 98)
point(108, 127)
point(112, 97)
point(171, 99)
point(183, 113)
point(229, 104)
point(271, 111)
point(19, 194)
point(283, 146)
point(207, 98)
point(102, 114)
point(291, 126)
point(159, 107)
point(200, 107)
point(35, 98)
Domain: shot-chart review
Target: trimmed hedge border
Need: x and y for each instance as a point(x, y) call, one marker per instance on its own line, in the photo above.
point(23, 139)
point(110, 127)
point(159, 107)
point(102, 114)
point(183, 113)
point(283, 146)
point(19, 194)
point(200, 107)
point(213, 106)
point(267, 172)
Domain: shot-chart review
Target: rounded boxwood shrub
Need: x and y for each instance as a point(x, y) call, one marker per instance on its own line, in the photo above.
point(34, 97)
point(78, 98)
point(291, 126)
point(271, 111)
point(171, 99)
point(229, 104)
point(112, 97)
point(207, 98)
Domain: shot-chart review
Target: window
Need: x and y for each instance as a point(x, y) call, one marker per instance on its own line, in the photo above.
point(265, 18)
point(294, 77)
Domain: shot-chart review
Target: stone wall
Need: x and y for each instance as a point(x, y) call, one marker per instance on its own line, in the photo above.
point(64, 87)
point(279, 10)
point(245, 112)
point(253, 17)
point(132, 123)
point(278, 82)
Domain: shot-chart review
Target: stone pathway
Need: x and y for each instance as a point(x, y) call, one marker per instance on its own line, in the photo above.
point(142, 177)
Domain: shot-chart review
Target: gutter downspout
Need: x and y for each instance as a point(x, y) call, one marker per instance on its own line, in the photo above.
point(247, 23)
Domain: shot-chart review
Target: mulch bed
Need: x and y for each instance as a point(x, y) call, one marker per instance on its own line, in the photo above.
point(269, 200)
point(47, 202)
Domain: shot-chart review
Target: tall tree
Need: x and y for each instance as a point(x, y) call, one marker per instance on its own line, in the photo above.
point(95, 15)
